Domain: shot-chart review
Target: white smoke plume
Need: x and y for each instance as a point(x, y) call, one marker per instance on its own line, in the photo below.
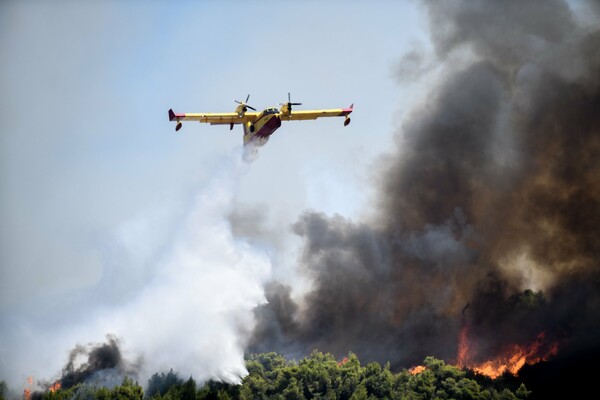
point(192, 312)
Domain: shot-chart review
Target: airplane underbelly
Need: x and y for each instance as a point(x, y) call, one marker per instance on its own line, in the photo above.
point(270, 126)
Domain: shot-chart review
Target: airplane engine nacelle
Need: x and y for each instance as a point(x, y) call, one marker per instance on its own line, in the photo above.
point(347, 121)
point(285, 109)
point(241, 110)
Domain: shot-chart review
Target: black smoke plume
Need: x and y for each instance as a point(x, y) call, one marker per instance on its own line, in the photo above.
point(96, 364)
point(491, 199)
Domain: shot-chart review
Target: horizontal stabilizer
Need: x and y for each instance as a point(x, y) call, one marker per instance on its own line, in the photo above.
point(173, 116)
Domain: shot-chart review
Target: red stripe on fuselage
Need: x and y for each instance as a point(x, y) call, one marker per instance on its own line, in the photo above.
point(173, 116)
point(346, 111)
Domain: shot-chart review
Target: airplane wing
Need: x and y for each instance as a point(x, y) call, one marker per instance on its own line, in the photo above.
point(314, 114)
point(213, 118)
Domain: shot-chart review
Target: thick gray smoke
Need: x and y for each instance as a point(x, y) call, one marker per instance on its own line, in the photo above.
point(491, 200)
point(99, 364)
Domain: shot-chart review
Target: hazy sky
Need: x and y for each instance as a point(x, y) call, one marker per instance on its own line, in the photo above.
point(95, 185)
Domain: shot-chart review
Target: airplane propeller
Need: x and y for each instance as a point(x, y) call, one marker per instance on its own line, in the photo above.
point(289, 103)
point(245, 103)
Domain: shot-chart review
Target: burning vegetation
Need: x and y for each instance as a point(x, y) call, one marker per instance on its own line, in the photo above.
point(319, 375)
point(93, 365)
point(511, 358)
point(491, 198)
point(417, 369)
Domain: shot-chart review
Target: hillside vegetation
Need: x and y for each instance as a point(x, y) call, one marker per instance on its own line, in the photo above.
point(318, 376)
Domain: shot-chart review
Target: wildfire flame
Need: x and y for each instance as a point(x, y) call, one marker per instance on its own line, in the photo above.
point(417, 369)
point(55, 387)
point(463, 347)
point(27, 390)
point(344, 361)
point(511, 359)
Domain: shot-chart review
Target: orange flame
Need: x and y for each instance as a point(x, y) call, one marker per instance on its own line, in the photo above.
point(417, 369)
point(55, 387)
point(511, 359)
point(27, 391)
point(344, 361)
point(463, 347)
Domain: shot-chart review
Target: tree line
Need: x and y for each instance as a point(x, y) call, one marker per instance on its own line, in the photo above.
point(318, 376)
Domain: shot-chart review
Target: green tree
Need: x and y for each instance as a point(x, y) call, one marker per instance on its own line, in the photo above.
point(422, 385)
point(161, 384)
point(522, 392)
point(255, 387)
point(506, 394)
point(3, 390)
point(222, 395)
point(101, 394)
point(319, 376)
point(448, 387)
point(350, 377)
point(470, 389)
point(317, 372)
point(293, 391)
point(378, 381)
point(269, 361)
point(360, 393)
point(188, 391)
point(127, 391)
point(441, 370)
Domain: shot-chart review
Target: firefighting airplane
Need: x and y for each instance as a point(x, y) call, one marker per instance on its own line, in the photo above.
point(259, 126)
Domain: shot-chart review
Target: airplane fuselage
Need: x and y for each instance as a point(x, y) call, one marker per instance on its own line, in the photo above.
point(263, 127)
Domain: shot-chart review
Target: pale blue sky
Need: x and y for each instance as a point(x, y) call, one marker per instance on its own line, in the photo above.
point(89, 158)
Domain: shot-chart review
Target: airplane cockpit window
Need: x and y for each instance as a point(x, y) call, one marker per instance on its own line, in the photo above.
point(269, 111)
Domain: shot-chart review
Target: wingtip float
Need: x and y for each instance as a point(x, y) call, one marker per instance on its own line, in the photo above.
point(259, 126)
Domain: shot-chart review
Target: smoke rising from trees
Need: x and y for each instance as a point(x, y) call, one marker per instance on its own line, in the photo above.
point(493, 189)
point(96, 364)
point(191, 310)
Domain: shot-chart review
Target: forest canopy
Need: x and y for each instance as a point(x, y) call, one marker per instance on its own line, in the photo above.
point(318, 376)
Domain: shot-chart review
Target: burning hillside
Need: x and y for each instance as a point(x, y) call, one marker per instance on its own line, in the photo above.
point(510, 358)
point(492, 198)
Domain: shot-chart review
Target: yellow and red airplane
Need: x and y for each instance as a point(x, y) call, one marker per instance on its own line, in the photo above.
point(259, 126)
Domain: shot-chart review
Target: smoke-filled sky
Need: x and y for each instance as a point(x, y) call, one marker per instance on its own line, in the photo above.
point(113, 224)
point(468, 175)
point(487, 213)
